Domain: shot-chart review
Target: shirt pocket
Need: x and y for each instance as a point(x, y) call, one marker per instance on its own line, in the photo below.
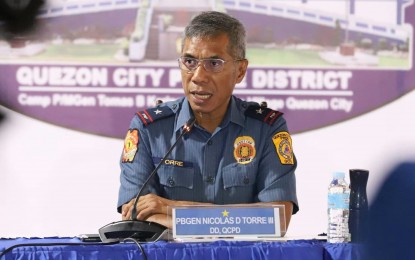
point(239, 175)
point(177, 182)
point(239, 183)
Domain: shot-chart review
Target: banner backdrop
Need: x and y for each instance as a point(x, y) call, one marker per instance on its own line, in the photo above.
point(90, 65)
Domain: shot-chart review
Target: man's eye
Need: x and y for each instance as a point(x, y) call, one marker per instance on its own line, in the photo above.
point(189, 62)
point(215, 63)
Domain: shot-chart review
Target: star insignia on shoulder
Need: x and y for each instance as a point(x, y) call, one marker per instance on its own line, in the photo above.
point(259, 111)
point(158, 112)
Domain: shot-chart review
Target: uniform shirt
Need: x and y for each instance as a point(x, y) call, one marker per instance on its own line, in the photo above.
point(247, 159)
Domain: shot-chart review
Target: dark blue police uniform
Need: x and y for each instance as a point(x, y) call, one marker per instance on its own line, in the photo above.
point(247, 159)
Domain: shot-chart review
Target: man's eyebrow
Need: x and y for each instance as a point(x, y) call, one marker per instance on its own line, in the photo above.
point(187, 55)
point(215, 57)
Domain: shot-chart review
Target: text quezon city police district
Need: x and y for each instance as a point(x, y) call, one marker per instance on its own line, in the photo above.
point(95, 86)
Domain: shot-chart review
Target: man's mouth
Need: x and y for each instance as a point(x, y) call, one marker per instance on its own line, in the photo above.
point(200, 95)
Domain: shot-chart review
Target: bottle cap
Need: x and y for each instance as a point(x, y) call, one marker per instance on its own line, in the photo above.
point(338, 175)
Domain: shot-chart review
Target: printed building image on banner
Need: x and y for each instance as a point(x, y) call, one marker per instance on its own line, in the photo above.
point(90, 65)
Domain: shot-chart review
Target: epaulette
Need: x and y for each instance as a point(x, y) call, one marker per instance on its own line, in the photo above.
point(264, 114)
point(151, 115)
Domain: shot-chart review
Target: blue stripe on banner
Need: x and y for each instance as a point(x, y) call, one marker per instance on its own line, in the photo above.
point(72, 7)
point(245, 4)
point(263, 7)
point(88, 5)
point(310, 15)
point(54, 10)
point(293, 12)
point(229, 2)
point(277, 9)
point(379, 28)
point(326, 18)
point(104, 3)
point(362, 25)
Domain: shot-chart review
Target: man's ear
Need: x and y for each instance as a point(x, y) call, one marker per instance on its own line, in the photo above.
point(242, 67)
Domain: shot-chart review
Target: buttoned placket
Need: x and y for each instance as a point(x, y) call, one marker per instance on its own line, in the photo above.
point(208, 172)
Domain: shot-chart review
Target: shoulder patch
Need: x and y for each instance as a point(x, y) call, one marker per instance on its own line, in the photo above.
point(264, 114)
point(151, 115)
point(284, 147)
point(130, 146)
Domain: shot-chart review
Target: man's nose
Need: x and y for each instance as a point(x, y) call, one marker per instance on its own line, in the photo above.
point(200, 74)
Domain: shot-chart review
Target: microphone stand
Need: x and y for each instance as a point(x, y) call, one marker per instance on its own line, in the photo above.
point(141, 230)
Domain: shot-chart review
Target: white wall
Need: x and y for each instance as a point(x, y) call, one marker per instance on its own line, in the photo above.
point(55, 181)
point(376, 141)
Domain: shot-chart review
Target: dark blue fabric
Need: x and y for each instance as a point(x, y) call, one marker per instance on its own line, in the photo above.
point(391, 223)
point(342, 251)
point(239, 250)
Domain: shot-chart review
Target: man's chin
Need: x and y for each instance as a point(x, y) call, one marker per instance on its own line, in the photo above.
point(199, 107)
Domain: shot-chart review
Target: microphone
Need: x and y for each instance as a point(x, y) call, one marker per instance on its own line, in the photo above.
point(140, 230)
point(20, 16)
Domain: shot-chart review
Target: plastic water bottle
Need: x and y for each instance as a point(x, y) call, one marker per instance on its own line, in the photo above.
point(338, 209)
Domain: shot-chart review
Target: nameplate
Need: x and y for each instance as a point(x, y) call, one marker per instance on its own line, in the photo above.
point(219, 222)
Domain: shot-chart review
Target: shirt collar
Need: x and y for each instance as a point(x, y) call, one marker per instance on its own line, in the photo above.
point(184, 114)
point(233, 115)
point(237, 113)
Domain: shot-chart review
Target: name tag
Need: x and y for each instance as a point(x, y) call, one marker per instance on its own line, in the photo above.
point(218, 222)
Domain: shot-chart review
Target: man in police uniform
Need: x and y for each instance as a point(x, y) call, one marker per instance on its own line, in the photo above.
point(238, 152)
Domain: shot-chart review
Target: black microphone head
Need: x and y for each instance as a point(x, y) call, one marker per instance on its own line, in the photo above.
point(19, 17)
point(189, 124)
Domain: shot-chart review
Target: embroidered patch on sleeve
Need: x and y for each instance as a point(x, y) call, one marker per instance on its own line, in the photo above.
point(130, 146)
point(244, 149)
point(283, 145)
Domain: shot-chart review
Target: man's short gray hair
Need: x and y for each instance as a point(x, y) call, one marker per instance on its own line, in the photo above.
point(212, 24)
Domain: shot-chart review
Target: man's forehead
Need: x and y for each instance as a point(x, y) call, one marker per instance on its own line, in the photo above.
point(217, 44)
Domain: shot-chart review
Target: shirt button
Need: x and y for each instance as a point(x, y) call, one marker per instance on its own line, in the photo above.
point(210, 179)
point(171, 181)
point(246, 180)
point(210, 142)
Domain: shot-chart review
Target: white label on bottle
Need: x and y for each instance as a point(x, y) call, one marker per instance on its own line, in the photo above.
point(338, 201)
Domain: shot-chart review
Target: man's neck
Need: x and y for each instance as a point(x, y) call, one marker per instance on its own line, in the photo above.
point(208, 122)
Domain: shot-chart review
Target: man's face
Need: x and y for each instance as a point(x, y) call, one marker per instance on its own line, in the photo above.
point(209, 92)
